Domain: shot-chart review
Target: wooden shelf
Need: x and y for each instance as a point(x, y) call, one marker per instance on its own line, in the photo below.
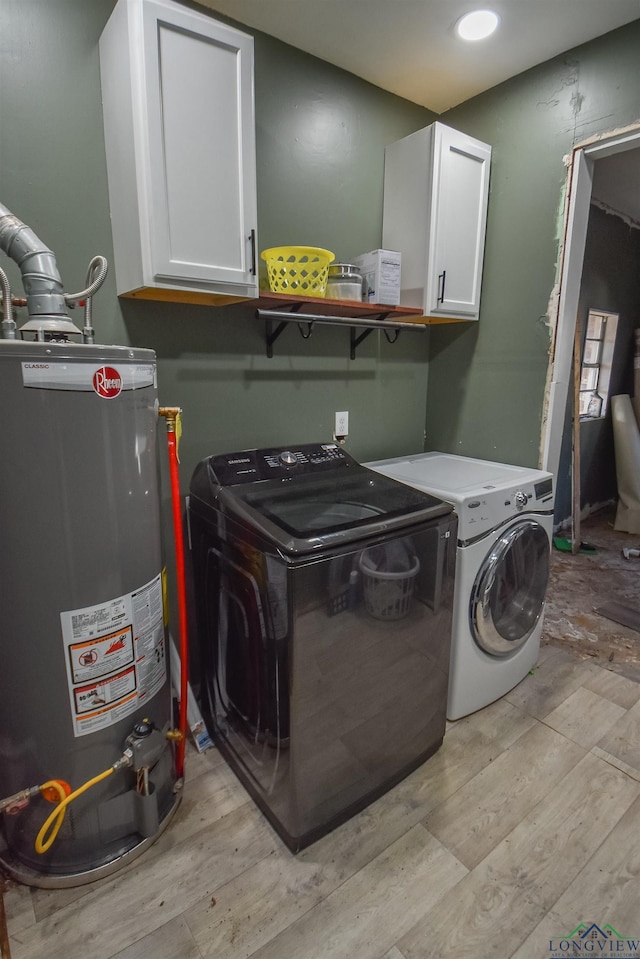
point(348, 309)
point(283, 309)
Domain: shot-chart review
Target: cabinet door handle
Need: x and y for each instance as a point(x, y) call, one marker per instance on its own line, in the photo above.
point(252, 240)
point(441, 281)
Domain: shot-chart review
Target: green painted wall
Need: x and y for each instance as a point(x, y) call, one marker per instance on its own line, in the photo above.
point(320, 143)
point(52, 160)
point(486, 381)
point(320, 140)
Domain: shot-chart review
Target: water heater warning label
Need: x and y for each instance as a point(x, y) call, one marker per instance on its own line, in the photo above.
point(96, 656)
point(115, 657)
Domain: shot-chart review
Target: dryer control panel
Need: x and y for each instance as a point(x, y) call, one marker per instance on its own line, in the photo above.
point(493, 507)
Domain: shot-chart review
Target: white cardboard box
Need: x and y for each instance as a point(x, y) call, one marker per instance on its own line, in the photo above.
point(381, 276)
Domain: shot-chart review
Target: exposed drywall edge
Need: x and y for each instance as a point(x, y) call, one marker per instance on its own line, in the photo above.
point(552, 311)
point(598, 138)
point(607, 135)
point(630, 222)
point(553, 306)
point(589, 510)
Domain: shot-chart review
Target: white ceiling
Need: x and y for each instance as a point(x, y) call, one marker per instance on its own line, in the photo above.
point(409, 48)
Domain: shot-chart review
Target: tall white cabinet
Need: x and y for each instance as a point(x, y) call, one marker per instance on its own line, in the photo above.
point(178, 105)
point(436, 189)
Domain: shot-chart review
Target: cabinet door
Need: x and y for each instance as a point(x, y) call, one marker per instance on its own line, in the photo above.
point(458, 223)
point(177, 92)
point(199, 80)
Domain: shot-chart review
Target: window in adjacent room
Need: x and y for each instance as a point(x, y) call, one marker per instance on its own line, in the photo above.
point(597, 358)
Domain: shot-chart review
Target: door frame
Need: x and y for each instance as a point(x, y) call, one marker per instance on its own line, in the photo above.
point(579, 186)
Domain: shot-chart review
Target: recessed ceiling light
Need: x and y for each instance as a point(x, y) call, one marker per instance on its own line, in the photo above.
point(477, 25)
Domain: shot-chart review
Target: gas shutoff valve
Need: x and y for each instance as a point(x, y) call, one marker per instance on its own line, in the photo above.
point(145, 744)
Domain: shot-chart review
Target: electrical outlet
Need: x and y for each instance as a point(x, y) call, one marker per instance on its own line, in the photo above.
point(342, 424)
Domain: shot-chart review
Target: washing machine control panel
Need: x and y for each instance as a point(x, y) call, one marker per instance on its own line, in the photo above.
point(251, 466)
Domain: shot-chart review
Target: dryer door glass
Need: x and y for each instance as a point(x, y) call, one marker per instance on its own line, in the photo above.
point(509, 592)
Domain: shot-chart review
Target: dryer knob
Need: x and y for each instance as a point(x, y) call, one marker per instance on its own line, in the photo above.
point(521, 499)
point(288, 458)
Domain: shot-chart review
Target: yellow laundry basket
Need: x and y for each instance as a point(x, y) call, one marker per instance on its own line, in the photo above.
point(298, 269)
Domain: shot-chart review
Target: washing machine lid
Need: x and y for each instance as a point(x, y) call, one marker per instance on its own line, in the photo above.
point(310, 497)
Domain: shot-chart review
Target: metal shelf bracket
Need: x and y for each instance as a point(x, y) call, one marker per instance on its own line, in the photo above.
point(357, 340)
point(272, 335)
point(391, 328)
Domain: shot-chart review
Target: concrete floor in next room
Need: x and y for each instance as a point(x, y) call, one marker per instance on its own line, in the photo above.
point(523, 825)
point(582, 583)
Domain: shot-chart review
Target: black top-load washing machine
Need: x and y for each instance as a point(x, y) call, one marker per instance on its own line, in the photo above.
point(323, 594)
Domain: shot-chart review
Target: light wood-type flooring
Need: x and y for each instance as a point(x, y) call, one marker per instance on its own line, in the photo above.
point(524, 824)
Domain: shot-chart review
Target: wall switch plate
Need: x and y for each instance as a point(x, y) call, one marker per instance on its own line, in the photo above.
point(341, 428)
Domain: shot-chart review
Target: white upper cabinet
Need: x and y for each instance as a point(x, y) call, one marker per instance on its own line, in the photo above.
point(177, 91)
point(436, 189)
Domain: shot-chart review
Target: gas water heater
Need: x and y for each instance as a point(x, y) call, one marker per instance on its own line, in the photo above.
point(83, 638)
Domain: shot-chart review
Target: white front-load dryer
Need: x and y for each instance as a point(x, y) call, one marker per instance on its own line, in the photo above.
point(505, 528)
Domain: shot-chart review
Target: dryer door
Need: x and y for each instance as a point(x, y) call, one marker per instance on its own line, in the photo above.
point(509, 592)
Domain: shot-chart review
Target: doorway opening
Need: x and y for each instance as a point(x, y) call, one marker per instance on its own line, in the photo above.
point(582, 170)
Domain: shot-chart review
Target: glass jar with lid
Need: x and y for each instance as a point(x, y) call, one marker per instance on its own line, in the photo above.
point(344, 282)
